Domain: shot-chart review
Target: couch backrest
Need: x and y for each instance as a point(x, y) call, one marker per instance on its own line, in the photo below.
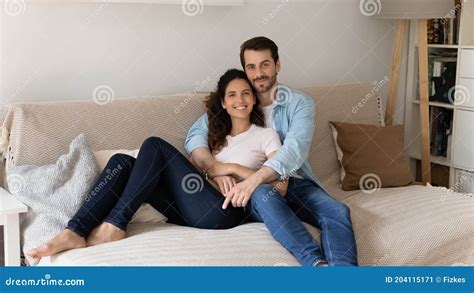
point(41, 132)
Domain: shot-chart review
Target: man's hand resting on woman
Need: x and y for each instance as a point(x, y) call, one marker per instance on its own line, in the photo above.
point(236, 170)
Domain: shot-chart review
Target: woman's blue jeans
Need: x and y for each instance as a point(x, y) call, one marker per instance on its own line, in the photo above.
point(162, 177)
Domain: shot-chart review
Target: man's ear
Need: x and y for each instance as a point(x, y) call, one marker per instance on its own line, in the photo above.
point(277, 66)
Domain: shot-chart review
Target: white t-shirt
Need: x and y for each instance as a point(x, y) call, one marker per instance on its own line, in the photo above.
point(268, 112)
point(250, 148)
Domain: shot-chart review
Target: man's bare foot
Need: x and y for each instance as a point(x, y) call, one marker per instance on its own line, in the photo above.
point(65, 240)
point(104, 233)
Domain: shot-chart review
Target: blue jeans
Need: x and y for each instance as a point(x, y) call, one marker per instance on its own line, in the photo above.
point(162, 177)
point(306, 201)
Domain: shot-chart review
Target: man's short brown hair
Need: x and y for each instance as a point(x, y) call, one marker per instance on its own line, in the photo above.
point(259, 44)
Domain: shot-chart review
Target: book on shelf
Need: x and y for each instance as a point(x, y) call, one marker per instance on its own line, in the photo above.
point(433, 31)
point(442, 76)
point(445, 31)
point(441, 123)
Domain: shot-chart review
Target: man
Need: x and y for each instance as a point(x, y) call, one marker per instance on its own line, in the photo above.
point(292, 115)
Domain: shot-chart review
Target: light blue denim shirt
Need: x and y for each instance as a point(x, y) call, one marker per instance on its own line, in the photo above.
point(294, 118)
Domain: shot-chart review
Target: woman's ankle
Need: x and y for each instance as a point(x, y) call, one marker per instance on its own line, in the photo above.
point(114, 225)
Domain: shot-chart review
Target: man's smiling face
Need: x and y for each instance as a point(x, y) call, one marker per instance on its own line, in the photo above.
point(261, 69)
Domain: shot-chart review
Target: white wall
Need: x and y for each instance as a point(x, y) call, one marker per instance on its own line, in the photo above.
point(59, 51)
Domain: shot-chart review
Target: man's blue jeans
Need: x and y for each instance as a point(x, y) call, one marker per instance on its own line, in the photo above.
point(306, 201)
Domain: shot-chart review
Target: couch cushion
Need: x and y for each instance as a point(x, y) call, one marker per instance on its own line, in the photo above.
point(172, 245)
point(413, 225)
point(371, 156)
point(104, 156)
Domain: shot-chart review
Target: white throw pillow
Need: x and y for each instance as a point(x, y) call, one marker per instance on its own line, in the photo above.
point(146, 213)
point(53, 193)
point(104, 156)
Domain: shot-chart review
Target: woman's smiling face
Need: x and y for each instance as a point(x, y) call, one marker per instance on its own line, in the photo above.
point(239, 99)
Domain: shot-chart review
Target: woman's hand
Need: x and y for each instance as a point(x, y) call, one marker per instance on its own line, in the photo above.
point(221, 169)
point(225, 183)
point(240, 194)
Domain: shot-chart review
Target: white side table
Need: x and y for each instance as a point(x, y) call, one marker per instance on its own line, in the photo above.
point(10, 210)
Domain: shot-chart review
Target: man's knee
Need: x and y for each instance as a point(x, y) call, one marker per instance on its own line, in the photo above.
point(344, 210)
point(339, 211)
point(333, 206)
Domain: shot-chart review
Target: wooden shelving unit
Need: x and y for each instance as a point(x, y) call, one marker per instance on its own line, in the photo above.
point(460, 150)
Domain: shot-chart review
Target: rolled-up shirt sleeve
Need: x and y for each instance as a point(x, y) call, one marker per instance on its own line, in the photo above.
point(197, 135)
point(297, 142)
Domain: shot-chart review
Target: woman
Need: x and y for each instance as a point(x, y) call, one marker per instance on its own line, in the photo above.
point(164, 178)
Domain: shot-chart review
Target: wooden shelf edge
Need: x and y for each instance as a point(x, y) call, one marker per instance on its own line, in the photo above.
point(436, 104)
point(442, 46)
point(434, 160)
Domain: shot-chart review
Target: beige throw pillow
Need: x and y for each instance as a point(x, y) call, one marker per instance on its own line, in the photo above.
point(371, 156)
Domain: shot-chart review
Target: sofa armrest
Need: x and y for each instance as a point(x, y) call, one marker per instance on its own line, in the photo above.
point(10, 209)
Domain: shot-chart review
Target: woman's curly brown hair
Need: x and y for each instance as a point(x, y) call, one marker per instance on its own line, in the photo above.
point(220, 123)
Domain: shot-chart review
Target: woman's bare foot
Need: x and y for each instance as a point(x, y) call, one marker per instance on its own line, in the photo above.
point(65, 240)
point(104, 233)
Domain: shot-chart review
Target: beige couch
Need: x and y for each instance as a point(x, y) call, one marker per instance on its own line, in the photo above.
point(414, 225)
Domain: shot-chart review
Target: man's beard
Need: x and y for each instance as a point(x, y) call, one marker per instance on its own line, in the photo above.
point(265, 88)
